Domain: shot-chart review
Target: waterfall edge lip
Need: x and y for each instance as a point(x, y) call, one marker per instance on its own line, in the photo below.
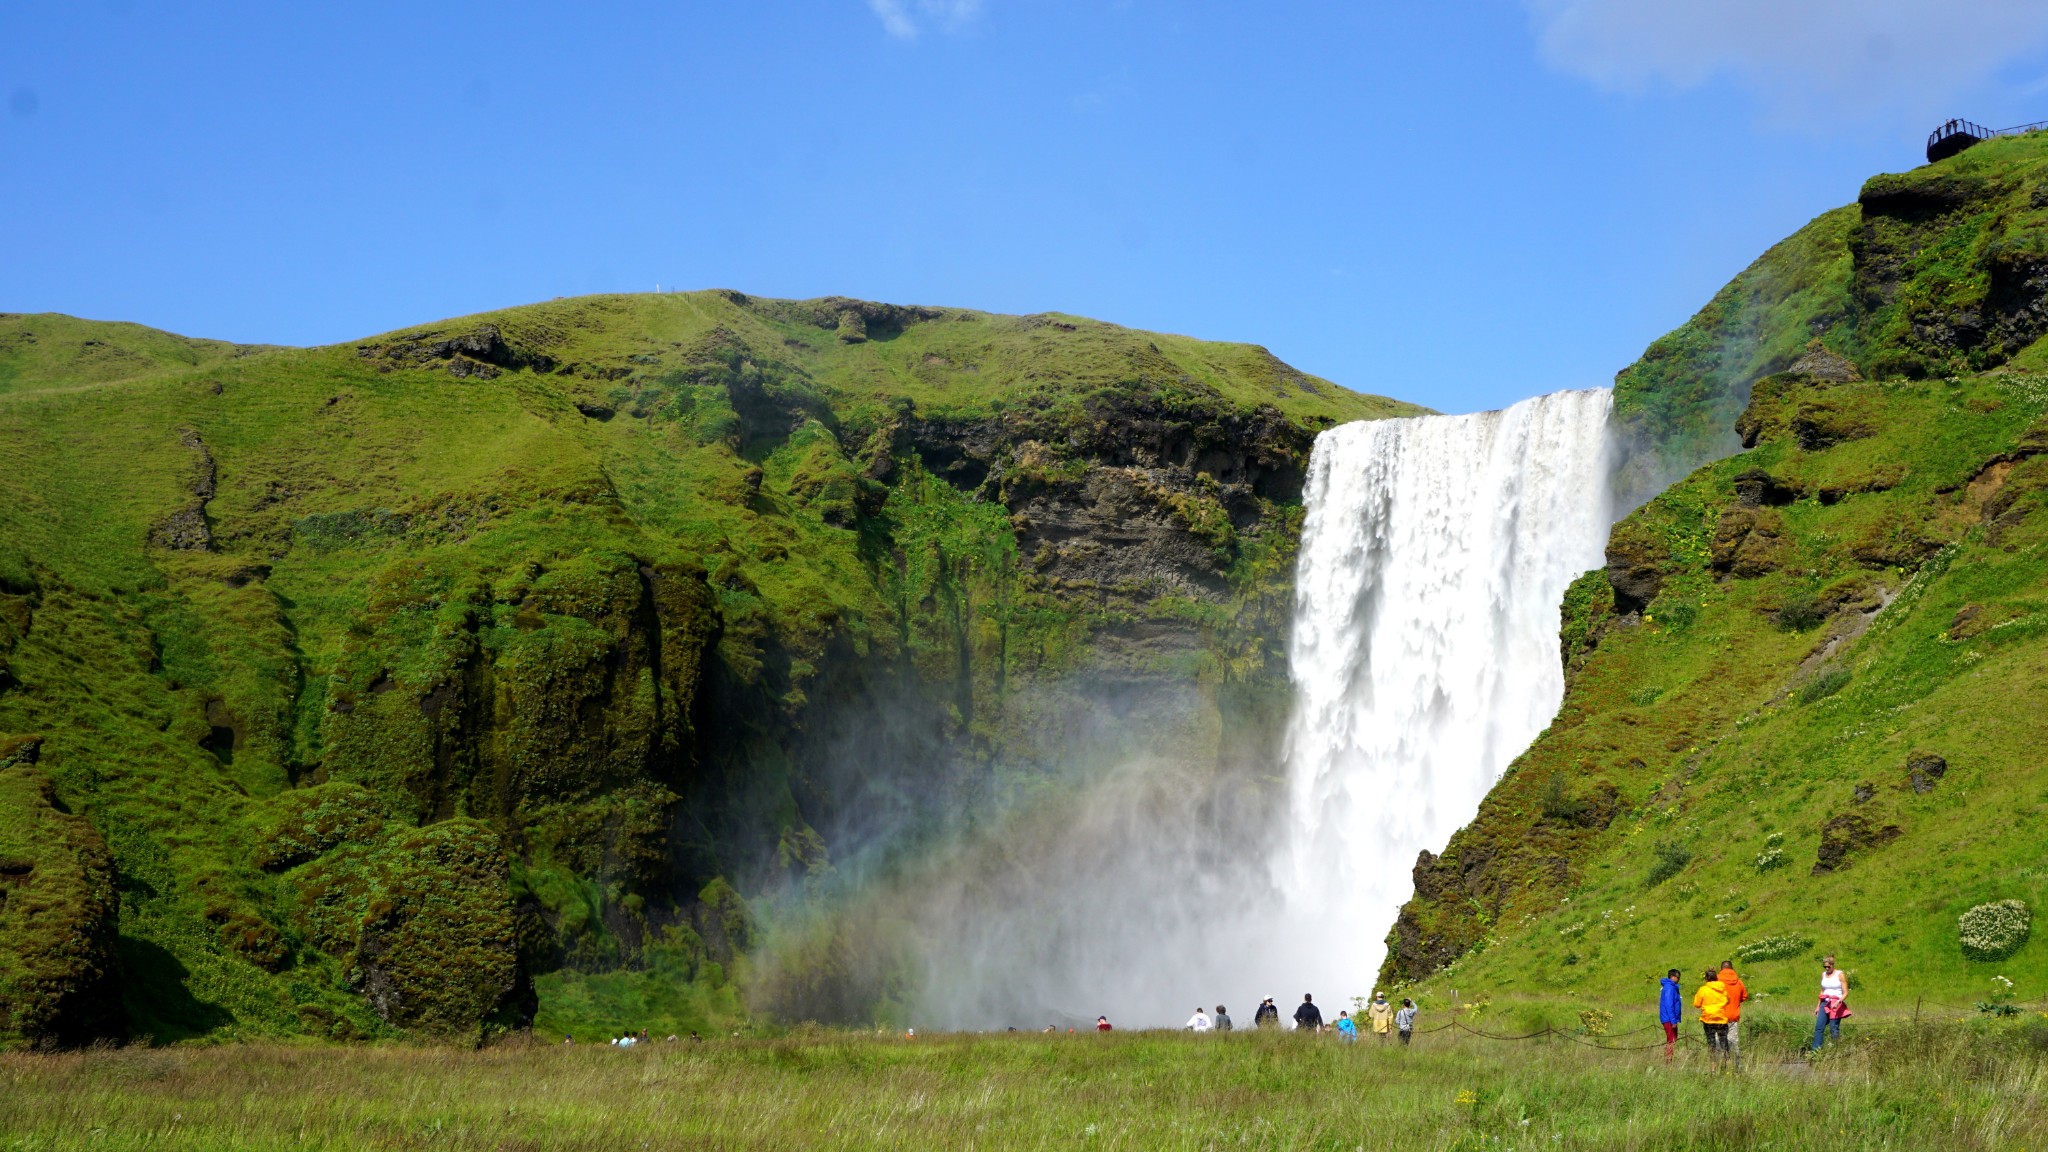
point(1430, 416)
point(1435, 554)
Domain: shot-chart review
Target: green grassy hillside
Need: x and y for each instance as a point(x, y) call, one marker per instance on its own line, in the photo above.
point(532, 661)
point(51, 350)
point(1808, 695)
point(1932, 273)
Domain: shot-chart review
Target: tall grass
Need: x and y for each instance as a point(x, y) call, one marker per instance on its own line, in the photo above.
point(1904, 1087)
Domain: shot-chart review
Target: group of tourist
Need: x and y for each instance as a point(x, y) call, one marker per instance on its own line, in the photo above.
point(632, 1039)
point(1384, 1019)
point(1719, 1001)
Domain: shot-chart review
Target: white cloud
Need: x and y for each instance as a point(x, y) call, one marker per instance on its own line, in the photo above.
point(904, 19)
point(1801, 56)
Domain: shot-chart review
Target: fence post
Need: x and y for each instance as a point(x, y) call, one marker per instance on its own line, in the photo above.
point(1916, 1011)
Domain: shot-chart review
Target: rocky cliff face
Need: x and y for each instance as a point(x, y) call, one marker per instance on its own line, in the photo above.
point(530, 657)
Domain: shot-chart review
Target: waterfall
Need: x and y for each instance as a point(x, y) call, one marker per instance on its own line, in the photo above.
point(1433, 560)
point(1425, 657)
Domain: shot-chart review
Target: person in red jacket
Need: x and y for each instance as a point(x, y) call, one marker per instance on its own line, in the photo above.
point(1102, 1023)
point(1737, 993)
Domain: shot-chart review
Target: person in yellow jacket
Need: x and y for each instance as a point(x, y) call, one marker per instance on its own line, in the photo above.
point(1382, 1014)
point(1712, 1001)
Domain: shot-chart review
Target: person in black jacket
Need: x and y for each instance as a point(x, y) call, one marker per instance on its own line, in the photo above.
point(1308, 1017)
point(1268, 1015)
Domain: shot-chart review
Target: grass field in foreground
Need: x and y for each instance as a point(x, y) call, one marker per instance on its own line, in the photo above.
point(1903, 1086)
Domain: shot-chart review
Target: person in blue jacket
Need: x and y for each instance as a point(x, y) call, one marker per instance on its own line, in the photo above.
point(1670, 1010)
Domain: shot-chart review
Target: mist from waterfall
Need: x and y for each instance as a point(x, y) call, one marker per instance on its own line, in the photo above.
point(1425, 658)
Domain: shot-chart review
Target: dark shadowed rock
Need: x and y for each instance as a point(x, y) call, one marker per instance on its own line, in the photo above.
point(187, 529)
point(1848, 834)
point(480, 353)
point(1924, 770)
point(58, 913)
point(1757, 488)
point(1637, 565)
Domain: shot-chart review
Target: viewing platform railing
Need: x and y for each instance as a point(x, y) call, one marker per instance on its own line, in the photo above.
point(1957, 135)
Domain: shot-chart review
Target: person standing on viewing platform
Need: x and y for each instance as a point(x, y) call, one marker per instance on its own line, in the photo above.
point(1308, 1017)
point(1670, 1011)
point(1834, 1002)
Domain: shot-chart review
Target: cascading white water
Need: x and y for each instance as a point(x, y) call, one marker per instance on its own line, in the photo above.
point(1425, 654)
point(1434, 557)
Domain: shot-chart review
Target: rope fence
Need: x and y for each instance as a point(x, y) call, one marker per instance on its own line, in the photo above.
point(1686, 1037)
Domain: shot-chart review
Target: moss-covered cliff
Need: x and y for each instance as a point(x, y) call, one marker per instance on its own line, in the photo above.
point(504, 662)
point(58, 979)
point(1807, 693)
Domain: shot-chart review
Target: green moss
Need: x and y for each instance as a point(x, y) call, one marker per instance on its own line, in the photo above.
point(423, 922)
point(58, 913)
point(306, 824)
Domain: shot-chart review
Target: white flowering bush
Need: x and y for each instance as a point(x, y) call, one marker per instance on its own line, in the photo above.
point(1770, 858)
point(1774, 947)
point(2000, 1003)
point(1994, 931)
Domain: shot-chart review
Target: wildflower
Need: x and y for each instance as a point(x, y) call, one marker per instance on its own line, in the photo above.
point(1467, 1096)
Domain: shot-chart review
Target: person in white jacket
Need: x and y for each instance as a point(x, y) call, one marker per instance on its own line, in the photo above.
point(1199, 1022)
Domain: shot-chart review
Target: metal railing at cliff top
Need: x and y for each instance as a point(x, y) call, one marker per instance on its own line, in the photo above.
point(1957, 135)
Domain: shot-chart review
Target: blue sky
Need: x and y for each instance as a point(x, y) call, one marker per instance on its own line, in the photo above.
point(1459, 204)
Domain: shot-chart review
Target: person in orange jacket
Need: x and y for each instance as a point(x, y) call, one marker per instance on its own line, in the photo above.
point(1737, 993)
point(1712, 1001)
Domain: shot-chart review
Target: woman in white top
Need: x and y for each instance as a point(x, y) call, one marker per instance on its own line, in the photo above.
point(1834, 1002)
